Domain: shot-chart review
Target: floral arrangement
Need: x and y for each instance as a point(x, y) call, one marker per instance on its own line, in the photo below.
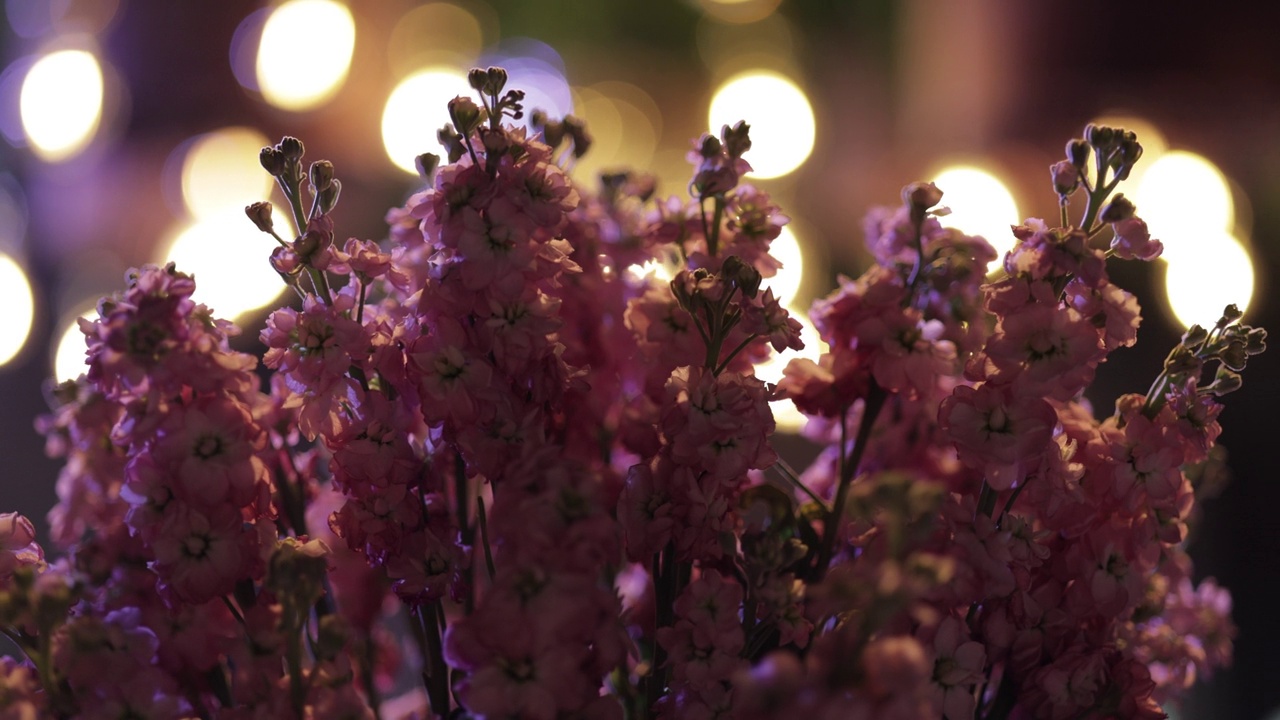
point(495, 458)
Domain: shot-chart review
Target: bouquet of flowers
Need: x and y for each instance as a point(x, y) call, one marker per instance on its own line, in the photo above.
point(497, 469)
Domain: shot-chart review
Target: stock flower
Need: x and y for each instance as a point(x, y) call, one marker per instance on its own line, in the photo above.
point(1001, 435)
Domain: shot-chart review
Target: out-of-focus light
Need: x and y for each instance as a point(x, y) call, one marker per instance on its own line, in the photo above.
point(221, 172)
point(1206, 277)
point(660, 270)
point(417, 108)
point(305, 53)
point(19, 309)
point(786, 248)
point(980, 205)
point(61, 103)
point(781, 120)
point(623, 130)
point(739, 11)
point(228, 257)
point(1183, 197)
point(433, 34)
point(536, 68)
point(68, 353)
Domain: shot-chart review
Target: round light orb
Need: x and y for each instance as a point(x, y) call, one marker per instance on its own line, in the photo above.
point(61, 103)
point(69, 361)
point(221, 172)
point(780, 116)
point(980, 204)
point(1183, 197)
point(228, 257)
point(416, 109)
point(786, 248)
point(305, 53)
point(19, 309)
point(1204, 278)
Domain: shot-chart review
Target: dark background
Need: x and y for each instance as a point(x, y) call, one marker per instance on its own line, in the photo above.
point(894, 87)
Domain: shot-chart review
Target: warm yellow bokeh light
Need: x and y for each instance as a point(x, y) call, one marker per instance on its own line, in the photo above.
point(1183, 197)
point(229, 259)
point(1206, 277)
point(622, 134)
point(61, 103)
point(980, 205)
point(417, 108)
point(221, 172)
point(437, 33)
point(69, 354)
point(780, 116)
point(305, 53)
point(785, 285)
point(19, 309)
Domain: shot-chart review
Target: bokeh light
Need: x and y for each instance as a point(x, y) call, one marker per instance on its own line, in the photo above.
point(19, 309)
point(228, 257)
point(739, 11)
point(305, 53)
point(624, 130)
point(780, 116)
point(1206, 277)
point(1183, 197)
point(790, 277)
point(434, 34)
point(69, 349)
point(416, 109)
point(980, 204)
point(221, 172)
point(61, 103)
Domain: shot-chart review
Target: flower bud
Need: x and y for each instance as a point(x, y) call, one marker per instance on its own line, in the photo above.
point(1255, 341)
point(1234, 355)
point(709, 147)
point(329, 196)
point(1225, 381)
point(1118, 210)
point(477, 78)
point(745, 276)
point(1066, 177)
point(260, 214)
point(578, 133)
point(1230, 314)
point(452, 143)
point(1078, 152)
point(291, 147)
point(919, 197)
point(321, 175)
point(737, 139)
point(465, 114)
point(1194, 336)
point(1099, 136)
point(427, 164)
point(272, 160)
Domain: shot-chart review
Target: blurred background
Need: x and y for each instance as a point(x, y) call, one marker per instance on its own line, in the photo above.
point(132, 131)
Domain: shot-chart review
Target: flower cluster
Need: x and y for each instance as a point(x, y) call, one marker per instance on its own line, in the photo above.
point(531, 417)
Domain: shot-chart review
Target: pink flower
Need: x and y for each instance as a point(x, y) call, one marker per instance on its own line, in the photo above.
point(201, 554)
point(1133, 242)
point(18, 546)
point(1001, 435)
point(957, 667)
point(771, 321)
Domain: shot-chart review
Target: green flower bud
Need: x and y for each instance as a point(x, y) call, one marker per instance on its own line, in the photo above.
point(291, 147)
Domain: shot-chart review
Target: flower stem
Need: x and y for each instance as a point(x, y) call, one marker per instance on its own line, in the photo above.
point(848, 470)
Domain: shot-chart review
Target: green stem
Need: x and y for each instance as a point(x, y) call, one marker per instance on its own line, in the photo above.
point(848, 470)
point(484, 535)
point(734, 354)
point(436, 672)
